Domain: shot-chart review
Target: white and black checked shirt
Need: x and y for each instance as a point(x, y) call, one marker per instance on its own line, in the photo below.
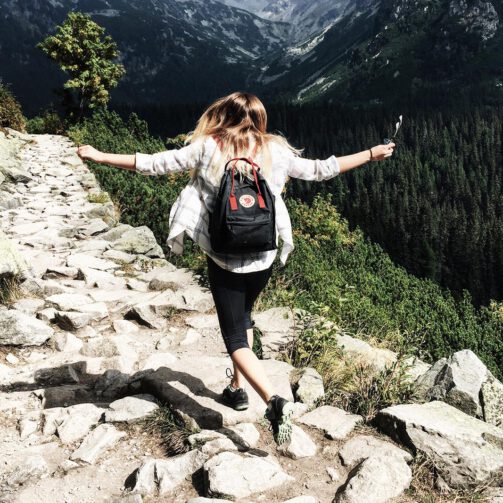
point(189, 213)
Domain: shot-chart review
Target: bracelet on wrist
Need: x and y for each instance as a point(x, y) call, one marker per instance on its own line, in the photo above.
point(371, 155)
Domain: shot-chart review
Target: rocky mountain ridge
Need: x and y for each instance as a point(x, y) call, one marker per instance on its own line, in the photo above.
point(364, 51)
point(104, 332)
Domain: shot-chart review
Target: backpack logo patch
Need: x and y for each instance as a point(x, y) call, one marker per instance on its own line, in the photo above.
point(247, 201)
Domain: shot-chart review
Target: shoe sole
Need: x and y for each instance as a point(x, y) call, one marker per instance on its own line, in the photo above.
point(285, 424)
point(241, 407)
point(236, 406)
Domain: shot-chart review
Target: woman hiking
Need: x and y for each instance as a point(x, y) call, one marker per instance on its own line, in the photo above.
point(236, 126)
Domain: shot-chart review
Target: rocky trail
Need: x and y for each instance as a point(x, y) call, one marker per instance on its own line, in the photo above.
point(105, 331)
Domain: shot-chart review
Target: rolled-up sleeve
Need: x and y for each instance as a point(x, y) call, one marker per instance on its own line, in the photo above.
point(313, 169)
point(161, 163)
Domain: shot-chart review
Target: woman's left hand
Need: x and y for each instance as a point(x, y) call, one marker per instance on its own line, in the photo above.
point(381, 152)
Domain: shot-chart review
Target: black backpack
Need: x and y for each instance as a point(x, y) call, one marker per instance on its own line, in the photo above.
point(244, 217)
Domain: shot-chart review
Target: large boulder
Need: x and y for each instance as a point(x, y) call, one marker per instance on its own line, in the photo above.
point(465, 450)
point(464, 382)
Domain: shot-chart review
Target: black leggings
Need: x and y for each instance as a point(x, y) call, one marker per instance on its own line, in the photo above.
point(234, 295)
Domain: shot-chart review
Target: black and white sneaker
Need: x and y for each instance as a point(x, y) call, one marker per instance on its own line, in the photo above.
point(237, 398)
point(279, 412)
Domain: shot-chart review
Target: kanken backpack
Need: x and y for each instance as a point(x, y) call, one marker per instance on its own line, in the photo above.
point(244, 217)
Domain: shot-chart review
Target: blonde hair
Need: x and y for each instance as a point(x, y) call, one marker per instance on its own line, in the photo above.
point(235, 119)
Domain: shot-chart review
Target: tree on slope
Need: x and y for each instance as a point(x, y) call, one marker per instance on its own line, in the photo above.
point(87, 55)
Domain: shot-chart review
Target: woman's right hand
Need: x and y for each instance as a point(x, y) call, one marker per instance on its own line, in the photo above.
point(381, 152)
point(90, 153)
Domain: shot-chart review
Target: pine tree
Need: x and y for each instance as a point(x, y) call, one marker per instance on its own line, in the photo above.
point(82, 50)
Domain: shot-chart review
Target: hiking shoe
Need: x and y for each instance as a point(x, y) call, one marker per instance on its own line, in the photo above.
point(279, 412)
point(237, 398)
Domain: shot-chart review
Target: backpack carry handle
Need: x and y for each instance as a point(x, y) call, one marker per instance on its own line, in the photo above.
point(249, 161)
point(232, 198)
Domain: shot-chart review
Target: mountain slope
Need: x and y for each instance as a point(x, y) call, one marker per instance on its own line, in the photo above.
point(305, 17)
point(172, 50)
point(360, 51)
point(396, 49)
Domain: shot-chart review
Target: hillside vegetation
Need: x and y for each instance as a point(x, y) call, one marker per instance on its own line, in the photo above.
point(366, 293)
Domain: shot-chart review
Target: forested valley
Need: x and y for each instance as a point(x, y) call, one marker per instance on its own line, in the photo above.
point(436, 207)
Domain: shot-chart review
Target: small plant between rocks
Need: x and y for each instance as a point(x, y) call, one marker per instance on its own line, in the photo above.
point(171, 429)
point(98, 197)
point(10, 289)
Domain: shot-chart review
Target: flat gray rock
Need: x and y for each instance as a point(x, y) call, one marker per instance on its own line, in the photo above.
point(360, 447)
point(78, 421)
point(130, 408)
point(80, 260)
point(164, 475)
point(97, 442)
point(72, 320)
point(376, 358)
point(277, 328)
point(300, 446)
point(308, 386)
point(138, 240)
point(172, 280)
point(28, 305)
point(234, 476)
point(336, 423)
point(116, 232)
point(20, 329)
point(11, 260)
point(145, 315)
point(376, 479)
point(67, 301)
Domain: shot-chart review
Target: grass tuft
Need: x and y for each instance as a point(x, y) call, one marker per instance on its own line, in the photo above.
point(171, 429)
point(10, 289)
point(98, 197)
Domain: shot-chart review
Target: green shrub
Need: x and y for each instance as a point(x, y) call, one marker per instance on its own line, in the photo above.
point(367, 293)
point(49, 122)
point(11, 114)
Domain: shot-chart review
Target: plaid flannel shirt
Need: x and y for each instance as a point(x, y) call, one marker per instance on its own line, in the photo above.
point(190, 212)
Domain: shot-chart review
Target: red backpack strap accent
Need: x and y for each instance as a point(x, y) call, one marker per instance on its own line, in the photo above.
point(232, 198)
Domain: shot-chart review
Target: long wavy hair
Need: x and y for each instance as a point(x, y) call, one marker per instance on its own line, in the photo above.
point(239, 120)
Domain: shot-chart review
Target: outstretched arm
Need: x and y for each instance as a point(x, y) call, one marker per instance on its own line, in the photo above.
point(318, 170)
point(125, 161)
point(378, 153)
point(156, 164)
